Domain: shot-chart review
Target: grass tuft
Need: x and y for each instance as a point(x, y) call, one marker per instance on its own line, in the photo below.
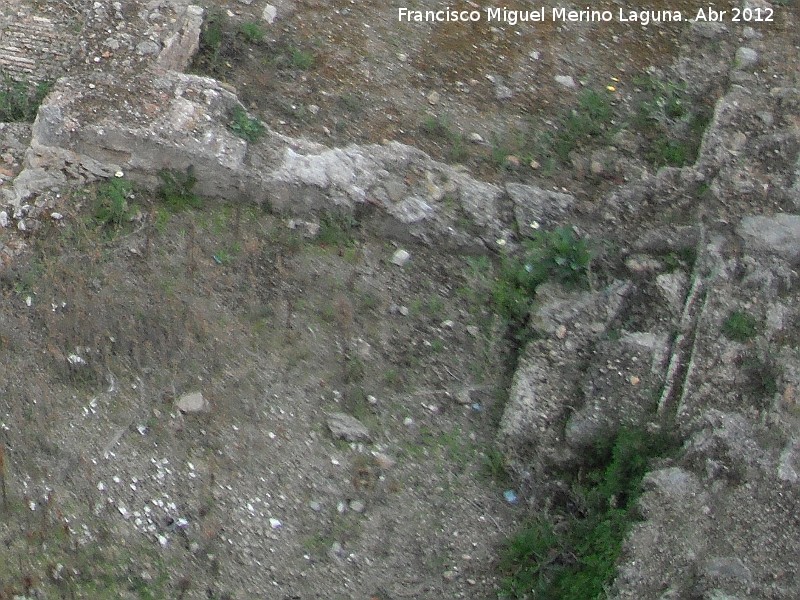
point(740, 326)
point(20, 100)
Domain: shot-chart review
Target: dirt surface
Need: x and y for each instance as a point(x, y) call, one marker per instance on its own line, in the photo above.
point(277, 333)
point(114, 492)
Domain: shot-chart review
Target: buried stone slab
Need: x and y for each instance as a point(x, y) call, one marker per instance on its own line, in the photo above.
point(620, 389)
point(536, 208)
point(193, 403)
point(345, 427)
point(779, 235)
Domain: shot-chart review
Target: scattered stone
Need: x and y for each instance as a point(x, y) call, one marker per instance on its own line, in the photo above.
point(384, 461)
point(275, 523)
point(565, 80)
point(269, 14)
point(673, 287)
point(74, 359)
point(315, 506)
point(777, 234)
point(433, 98)
point(512, 161)
point(56, 216)
point(503, 92)
point(336, 551)
point(193, 403)
point(3, 219)
point(310, 229)
point(401, 257)
point(475, 138)
point(450, 575)
point(746, 58)
point(345, 427)
point(642, 264)
point(473, 330)
point(357, 506)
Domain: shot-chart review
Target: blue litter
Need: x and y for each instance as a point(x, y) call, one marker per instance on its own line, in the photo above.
point(510, 496)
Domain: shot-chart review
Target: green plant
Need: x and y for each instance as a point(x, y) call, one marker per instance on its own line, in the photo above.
point(683, 258)
point(177, 189)
point(591, 119)
point(19, 100)
point(577, 559)
point(670, 122)
point(351, 103)
point(246, 127)
point(252, 32)
point(458, 149)
point(494, 466)
point(301, 59)
point(111, 204)
point(354, 369)
point(212, 41)
point(392, 378)
point(337, 229)
point(439, 128)
point(435, 127)
point(557, 255)
point(672, 153)
point(225, 256)
point(761, 376)
point(740, 326)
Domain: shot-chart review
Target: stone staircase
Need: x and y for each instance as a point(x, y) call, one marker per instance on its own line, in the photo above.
point(33, 47)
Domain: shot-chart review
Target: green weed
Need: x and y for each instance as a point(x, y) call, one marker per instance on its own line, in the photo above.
point(590, 120)
point(337, 229)
point(673, 153)
point(557, 255)
point(20, 100)
point(761, 377)
point(670, 122)
point(740, 326)
point(435, 127)
point(246, 127)
point(438, 128)
point(392, 379)
point(494, 466)
point(111, 208)
point(351, 103)
point(301, 59)
point(252, 32)
point(577, 559)
point(210, 55)
point(177, 189)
